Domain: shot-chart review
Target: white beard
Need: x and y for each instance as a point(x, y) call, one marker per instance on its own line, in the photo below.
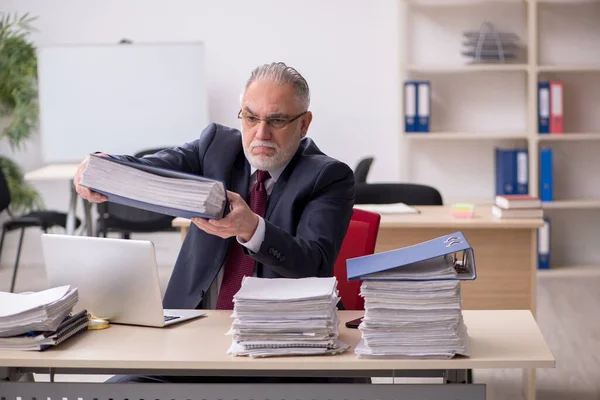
point(278, 160)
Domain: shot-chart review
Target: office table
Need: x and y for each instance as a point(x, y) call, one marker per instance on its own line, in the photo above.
point(65, 172)
point(499, 339)
point(505, 252)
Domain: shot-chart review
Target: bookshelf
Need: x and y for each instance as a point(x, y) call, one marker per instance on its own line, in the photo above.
point(477, 107)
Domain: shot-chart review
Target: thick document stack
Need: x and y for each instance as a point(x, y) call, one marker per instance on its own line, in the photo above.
point(36, 320)
point(43, 340)
point(280, 317)
point(413, 301)
point(155, 189)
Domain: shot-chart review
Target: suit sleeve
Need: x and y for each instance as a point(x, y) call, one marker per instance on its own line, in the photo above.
point(321, 229)
point(185, 158)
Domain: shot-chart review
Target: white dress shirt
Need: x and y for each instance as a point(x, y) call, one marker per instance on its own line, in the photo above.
point(210, 298)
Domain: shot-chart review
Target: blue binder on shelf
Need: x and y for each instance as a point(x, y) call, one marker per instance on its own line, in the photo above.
point(410, 106)
point(423, 106)
point(505, 172)
point(521, 160)
point(544, 107)
point(544, 245)
point(546, 175)
point(512, 171)
point(175, 212)
point(451, 250)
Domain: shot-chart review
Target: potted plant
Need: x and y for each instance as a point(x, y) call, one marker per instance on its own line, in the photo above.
point(18, 102)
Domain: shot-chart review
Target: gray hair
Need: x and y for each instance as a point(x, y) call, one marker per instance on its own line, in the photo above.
point(282, 74)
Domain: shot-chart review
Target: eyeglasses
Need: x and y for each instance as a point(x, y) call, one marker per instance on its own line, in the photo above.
point(277, 123)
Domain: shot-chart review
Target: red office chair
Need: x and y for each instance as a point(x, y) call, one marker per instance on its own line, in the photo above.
point(359, 241)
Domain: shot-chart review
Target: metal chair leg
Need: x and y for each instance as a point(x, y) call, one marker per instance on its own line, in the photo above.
point(1, 243)
point(14, 277)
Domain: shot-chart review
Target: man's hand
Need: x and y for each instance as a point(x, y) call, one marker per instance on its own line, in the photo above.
point(241, 221)
point(84, 192)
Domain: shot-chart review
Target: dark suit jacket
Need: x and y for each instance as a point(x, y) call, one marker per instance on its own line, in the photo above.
point(308, 213)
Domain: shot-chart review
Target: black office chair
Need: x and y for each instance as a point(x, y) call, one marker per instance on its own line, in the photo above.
point(42, 219)
point(125, 220)
point(362, 170)
point(388, 193)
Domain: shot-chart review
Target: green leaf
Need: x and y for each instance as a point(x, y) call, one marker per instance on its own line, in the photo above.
point(24, 197)
point(18, 101)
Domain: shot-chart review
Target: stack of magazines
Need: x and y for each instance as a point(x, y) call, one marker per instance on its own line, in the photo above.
point(37, 321)
point(155, 189)
point(413, 309)
point(279, 317)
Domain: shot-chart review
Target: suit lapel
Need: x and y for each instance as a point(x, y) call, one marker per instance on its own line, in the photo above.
point(281, 183)
point(240, 178)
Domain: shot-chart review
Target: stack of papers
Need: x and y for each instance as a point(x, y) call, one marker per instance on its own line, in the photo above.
point(413, 312)
point(155, 189)
point(41, 311)
point(279, 317)
point(393, 208)
point(42, 340)
point(36, 321)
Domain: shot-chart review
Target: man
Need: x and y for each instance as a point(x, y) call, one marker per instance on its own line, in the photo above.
point(290, 204)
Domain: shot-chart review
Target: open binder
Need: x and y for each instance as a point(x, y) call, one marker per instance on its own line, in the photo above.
point(448, 257)
point(161, 190)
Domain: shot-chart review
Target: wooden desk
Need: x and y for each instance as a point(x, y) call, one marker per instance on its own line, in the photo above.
point(505, 252)
point(499, 339)
point(65, 172)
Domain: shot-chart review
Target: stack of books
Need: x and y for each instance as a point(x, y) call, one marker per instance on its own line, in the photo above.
point(517, 206)
point(155, 189)
point(413, 305)
point(280, 317)
point(37, 321)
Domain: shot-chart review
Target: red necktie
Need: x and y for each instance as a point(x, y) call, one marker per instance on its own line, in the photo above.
point(239, 264)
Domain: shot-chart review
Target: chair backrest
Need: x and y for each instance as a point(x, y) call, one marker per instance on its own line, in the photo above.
point(388, 193)
point(4, 192)
point(362, 170)
point(359, 241)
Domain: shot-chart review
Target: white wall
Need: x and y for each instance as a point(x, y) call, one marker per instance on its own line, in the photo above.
point(350, 53)
point(346, 49)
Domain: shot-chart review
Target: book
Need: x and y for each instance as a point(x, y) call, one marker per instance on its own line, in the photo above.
point(155, 189)
point(517, 212)
point(518, 201)
point(448, 257)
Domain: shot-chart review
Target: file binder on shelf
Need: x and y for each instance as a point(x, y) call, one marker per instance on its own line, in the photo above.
point(550, 107)
point(423, 106)
point(556, 107)
point(544, 245)
point(544, 107)
point(522, 171)
point(417, 106)
point(448, 257)
point(546, 175)
point(410, 106)
point(505, 167)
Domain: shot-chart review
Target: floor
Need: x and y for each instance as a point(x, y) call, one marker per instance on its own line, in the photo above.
point(568, 315)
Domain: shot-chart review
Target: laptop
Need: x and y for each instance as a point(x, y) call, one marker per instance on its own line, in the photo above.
point(116, 279)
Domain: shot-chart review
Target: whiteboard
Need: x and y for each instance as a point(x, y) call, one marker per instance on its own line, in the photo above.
point(119, 98)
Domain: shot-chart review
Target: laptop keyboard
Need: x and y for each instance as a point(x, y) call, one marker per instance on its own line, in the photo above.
point(171, 317)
